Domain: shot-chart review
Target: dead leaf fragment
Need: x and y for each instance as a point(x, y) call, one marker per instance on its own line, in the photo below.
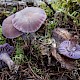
point(66, 62)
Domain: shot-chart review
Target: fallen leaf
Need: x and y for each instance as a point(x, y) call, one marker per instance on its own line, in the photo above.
point(60, 34)
point(65, 62)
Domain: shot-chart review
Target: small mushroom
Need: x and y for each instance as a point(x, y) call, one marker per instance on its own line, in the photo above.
point(70, 48)
point(29, 19)
point(5, 52)
point(8, 30)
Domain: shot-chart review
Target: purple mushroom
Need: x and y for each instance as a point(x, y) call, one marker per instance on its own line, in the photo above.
point(5, 52)
point(27, 20)
point(70, 48)
point(8, 30)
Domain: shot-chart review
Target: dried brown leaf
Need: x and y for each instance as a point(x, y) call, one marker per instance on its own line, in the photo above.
point(60, 34)
point(66, 62)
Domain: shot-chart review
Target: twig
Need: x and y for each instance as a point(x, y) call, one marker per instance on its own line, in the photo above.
point(54, 74)
point(34, 73)
point(46, 77)
point(49, 5)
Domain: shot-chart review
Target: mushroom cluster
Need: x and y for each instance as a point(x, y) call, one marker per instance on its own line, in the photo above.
point(27, 20)
point(5, 52)
point(67, 43)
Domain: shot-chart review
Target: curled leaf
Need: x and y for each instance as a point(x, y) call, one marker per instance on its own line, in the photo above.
point(65, 62)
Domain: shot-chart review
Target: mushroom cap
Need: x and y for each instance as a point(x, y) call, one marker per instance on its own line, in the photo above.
point(67, 49)
point(8, 30)
point(6, 48)
point(29, 19)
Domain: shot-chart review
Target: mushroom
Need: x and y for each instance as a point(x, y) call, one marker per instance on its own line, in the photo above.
point(28, 20)
point(70, 48)
point(5, 52)
point(8, 30)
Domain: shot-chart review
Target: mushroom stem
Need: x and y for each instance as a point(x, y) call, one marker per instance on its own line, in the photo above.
point(33, 36)
point(28, 38)
point(5, 57)
point(24, 37)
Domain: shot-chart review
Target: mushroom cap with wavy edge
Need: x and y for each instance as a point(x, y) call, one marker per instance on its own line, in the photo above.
point(67, 49)
point(8, 30)
point(5, 52)
point(29, 19)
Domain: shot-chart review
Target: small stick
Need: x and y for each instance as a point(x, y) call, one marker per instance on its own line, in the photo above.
point(49, 5)
point(34, 73)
